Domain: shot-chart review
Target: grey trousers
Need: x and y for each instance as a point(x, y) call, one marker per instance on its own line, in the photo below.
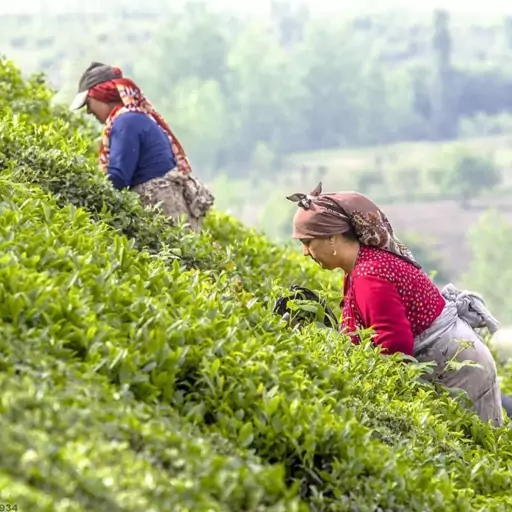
point(480, 383)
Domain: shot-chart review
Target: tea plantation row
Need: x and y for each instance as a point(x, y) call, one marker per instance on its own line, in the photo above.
point(141, 366)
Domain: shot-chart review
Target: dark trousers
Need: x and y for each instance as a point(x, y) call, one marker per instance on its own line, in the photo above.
point(506, 402)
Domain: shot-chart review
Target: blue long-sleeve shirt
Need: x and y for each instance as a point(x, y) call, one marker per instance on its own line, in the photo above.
point(139, 151)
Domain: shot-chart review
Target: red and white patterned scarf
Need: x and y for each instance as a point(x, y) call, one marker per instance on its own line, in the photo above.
point(132, 99)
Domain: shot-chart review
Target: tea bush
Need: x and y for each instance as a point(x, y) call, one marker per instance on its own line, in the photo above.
point(48, 145)
point(32, 99)
point(80, 439)
point(71, 443)
point(223, 362)
point(40, 154)
point(136, 378)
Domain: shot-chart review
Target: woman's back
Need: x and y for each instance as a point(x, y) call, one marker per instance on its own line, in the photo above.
point(380, 276)
point(140, 150)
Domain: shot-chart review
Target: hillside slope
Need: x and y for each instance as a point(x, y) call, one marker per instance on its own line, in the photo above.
point(142, 367)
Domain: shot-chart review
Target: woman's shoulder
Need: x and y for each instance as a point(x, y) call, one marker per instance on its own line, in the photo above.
point(373, 256)
point(377, 262)
point(133, 119)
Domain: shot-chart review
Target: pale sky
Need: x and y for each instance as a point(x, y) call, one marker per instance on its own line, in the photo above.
point(467, 6)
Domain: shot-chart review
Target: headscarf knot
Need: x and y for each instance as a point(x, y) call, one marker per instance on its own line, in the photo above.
point(304, 200)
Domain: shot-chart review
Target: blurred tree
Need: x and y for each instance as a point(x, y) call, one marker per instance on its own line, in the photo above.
point(490, 271)
point(194, 43)
point(385, 102)
point(469, 174)
point(367, 179)
point(287, 80)
point(198, 113)
point(424, 253)
point(331, 60)
point(483, 88)
point(406, 182)
point(291, 19)
point(265, 94)
point(262, 160)
point(444, 125)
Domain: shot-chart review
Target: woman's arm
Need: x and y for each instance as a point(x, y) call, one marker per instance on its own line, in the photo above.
point(124, 150)
point(382, 309)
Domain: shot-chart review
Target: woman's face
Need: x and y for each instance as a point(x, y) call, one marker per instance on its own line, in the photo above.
point(322, 251)
point(98, 109)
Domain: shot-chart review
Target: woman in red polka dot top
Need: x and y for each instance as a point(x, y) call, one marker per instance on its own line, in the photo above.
point(385, 289)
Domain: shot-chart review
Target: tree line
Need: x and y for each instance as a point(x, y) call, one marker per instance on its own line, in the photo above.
point(243, 92)
point(249, 92)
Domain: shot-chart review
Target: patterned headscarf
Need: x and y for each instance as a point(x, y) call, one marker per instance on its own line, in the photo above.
point(131, 99)
point(324, 215)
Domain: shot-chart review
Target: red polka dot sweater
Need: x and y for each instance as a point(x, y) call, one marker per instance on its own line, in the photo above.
point(391, 296)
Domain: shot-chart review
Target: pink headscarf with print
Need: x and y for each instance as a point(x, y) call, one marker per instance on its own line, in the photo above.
point(324, 215)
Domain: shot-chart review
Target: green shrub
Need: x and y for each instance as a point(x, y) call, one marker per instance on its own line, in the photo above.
point(108, 338)
point(32, 99)
point(116, 450)
point(40, 154)
point(223, 362)
point(83, 446)
point(469, 174)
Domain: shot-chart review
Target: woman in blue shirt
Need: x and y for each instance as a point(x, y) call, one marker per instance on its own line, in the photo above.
point(138, 149)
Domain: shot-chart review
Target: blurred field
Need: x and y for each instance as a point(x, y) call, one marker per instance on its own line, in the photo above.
point(441, 222)
point(343, 165)
point(446, 224)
